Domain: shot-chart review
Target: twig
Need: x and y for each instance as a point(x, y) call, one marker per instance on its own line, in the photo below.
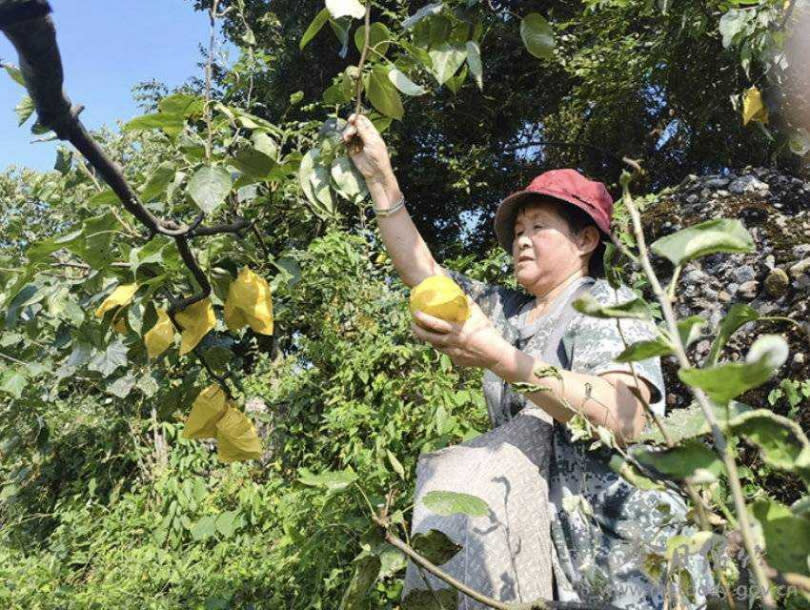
point(717, 434)
point(209, 68)
point(358, 104)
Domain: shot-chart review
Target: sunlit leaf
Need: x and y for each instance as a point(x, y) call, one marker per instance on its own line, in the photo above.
point(537, 35)
point(710, 237)
point(680, 462)
point(320, 19)
point(378, 34)
point(383, 95)
point(208, 188)
point(329, 480)
point(726, 381)
point(157, 183)
point(474, 61)
point(635, 308)
point(405, 84)
point(348, 181)
point(446, 59)
point(448, 503)
point(787, 537)
point(24, 110)
point(738, 315)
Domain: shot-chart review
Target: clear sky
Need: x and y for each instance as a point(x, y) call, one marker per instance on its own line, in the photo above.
point(107, 46)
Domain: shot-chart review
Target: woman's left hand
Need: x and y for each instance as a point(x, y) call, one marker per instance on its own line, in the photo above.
point(476, 342)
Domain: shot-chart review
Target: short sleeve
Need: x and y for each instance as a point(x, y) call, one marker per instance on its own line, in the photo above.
point(497, 302)
point(597, 342)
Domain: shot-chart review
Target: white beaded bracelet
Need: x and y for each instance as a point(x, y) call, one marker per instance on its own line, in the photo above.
point(392, 210)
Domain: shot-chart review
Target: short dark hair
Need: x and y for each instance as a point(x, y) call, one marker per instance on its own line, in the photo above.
point(577, 220)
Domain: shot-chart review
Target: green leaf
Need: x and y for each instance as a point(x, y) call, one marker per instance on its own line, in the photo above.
point(13, 382)
point(738, 315)
point(330, 480)
point(24, 110)
point(346, 8)
point(122, 386)
point(629, 473)
point(688, 460)
point(474, 61)
point(383, 95)
point(157, 183)
point(109, 360)
point(635, 308)
point(405, 84)
point(15, 74)
point(105, 197)
point(348, 181)
point(209, 187)
point(378, 33)
point(448, 503)
point(787, 537)
point(538, 36)
point(182, 105)
point(160, 120)
point(781, 441)
point(710, 237)
point(440, 599)
point(726, 381)
point(446, 59)
point(691, 422)
point(314, 180)
point(320, 19)
point(395, 464)
point(435, 546)
point(204, 528)
point(691, 329)
point(227, 523)
point(253, 162)
point(366, 570)
point(641, 350)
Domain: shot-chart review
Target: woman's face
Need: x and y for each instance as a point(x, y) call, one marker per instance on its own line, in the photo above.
point(544, 251)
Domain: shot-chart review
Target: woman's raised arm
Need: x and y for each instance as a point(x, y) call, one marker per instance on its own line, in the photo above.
point(408, 251)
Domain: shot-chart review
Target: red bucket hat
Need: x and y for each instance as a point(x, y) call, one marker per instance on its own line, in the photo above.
point(565, 185)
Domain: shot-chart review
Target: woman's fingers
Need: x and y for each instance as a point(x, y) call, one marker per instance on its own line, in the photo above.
point(432, 323)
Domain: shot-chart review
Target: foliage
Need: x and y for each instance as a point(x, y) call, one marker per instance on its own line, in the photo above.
point(105, 503)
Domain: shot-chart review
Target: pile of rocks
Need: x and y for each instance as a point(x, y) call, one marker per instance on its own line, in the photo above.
point(774, 280)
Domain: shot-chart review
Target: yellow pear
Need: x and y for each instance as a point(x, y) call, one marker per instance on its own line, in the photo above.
point(441, 297)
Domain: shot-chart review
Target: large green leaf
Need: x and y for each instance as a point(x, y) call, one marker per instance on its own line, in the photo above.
point(537, 35)
point(448, 503)
point(446, 59)
point(366, 570)
point(738, 315)
point(474, 61)
point(204, 528)
point(710, 237)
point(348, 181)
point(383, 95)
point(320, 19)
point(726, 381)
point(157, 183)
point(405, 84)
point(787, 537)
point(110, 359)
point(435, 546)
point(378, 33)
point(641, 350)
point(182, 105)
point(330, 480)
point(691, 422)
point(208, 188)
point(635, 308)
point(690, 459)
point(13, 382)
point(170, 123)
point(314, 180)
point(781, 441)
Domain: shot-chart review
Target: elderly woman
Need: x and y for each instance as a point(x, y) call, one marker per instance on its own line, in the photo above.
point(554, 230)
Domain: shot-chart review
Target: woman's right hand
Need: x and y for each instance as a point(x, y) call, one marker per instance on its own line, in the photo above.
point(367, 149)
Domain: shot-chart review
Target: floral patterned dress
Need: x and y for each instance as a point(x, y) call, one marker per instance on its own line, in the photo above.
point(602, 528)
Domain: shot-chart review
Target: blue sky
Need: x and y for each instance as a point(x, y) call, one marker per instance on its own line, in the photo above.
point(107, 46)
